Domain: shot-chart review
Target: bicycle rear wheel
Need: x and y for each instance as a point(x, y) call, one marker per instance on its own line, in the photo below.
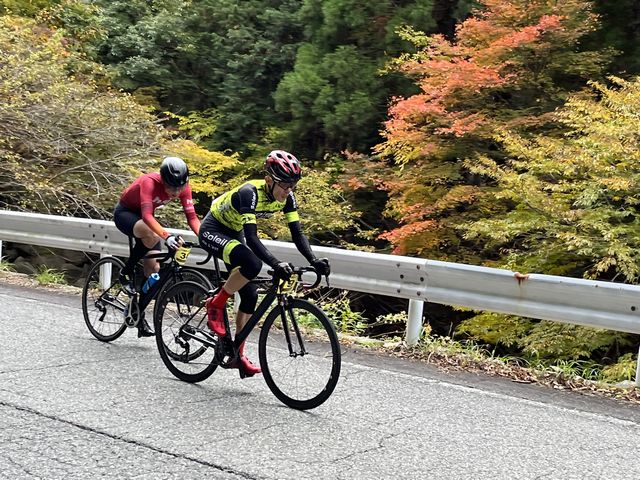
point(299, 355)
point(181, 319)
point(103, 301)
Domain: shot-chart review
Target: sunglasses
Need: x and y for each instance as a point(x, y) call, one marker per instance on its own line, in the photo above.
point(287, 185)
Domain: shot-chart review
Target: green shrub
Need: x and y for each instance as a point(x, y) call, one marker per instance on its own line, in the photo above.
point(345, 320)
point(49, 276)
point(6, 266)
point(625, 369)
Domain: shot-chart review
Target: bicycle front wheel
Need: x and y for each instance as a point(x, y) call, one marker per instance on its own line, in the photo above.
point(299, 355)
point(181, 319)
point(103, 301)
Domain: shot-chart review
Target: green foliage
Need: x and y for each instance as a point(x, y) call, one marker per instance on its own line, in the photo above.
point(496, 329)
point(325, 100)
point(6, 266)
point(49, 276)
point(575, 198)
point(67, 146)
point(26, 8)
point(323, 211)
point(621, 30)
point(327, 107)
point(623, 369)
point(542, 339)
point(206, 168)
point(75, 18)
point(198, 125)
point(447, 347)
point(204, 54)
point(345, 320)
point(570, 342)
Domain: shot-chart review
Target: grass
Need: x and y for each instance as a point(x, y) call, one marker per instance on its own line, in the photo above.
point(580, 375)
point(6, 266)
point(49, 276)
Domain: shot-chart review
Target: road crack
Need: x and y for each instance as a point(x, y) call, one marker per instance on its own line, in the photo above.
point(119, 438)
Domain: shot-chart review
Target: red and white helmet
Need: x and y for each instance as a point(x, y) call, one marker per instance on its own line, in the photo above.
point(282, 166)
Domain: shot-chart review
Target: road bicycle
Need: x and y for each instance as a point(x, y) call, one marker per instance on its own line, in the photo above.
point(298, 346)
point(108, 310)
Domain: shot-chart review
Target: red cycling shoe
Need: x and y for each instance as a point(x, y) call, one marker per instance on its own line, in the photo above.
point(247, 367)
point(215, 318)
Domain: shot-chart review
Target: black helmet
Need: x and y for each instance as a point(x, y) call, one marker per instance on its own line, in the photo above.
point(282, 166)
point(174, 172)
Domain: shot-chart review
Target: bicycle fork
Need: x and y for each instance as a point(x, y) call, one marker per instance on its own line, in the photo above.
point(285, 309)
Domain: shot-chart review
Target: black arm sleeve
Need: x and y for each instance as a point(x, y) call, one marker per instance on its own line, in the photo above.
point(301, 241)
point(256, 246)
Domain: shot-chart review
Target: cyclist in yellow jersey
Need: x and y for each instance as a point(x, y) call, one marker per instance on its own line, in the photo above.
point(229, 231)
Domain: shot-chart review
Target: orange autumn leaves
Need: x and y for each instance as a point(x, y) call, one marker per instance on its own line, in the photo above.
point(506, 69)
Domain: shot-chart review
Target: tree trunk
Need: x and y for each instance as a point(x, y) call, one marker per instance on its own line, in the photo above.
point(443, 13)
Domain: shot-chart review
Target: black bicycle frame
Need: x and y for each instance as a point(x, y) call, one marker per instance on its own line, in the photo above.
point(273, 292)
point(145, 298)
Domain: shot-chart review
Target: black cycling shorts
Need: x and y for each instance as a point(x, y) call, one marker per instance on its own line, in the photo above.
point(228, 245)
point(126, 219)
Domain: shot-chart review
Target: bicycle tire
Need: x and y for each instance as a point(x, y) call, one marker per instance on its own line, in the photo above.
point(300, 381)
point(181, 304)
point(185, 274)
point(109, 303)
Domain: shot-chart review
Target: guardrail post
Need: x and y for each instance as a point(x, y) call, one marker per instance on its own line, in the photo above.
point(638, 369)
point(105, 273)
point(414, 322)
point(0, 250)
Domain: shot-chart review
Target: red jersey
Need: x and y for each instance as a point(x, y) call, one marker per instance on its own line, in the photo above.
point(147, 193)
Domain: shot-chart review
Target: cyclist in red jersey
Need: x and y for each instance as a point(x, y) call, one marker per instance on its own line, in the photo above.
point(133, 215)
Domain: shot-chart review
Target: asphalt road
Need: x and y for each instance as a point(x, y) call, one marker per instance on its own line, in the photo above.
point(73, 407)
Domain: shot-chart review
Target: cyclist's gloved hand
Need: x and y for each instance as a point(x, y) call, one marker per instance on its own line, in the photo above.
point(283, 271)
point(322, 266)
point(174, 242)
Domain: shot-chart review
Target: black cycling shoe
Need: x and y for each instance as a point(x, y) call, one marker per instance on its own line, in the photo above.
point(127, 285)
point(144, 330)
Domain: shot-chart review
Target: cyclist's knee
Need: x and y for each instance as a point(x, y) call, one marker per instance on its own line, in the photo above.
point(147, 236)
point(151, 241)
point(250, 265)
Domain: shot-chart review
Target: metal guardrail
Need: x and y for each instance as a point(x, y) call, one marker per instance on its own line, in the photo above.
point(591, 303)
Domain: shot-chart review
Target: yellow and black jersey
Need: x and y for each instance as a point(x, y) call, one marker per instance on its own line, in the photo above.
point(244, 204)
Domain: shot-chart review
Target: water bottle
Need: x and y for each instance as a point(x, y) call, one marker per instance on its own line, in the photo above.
point(153, 278)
